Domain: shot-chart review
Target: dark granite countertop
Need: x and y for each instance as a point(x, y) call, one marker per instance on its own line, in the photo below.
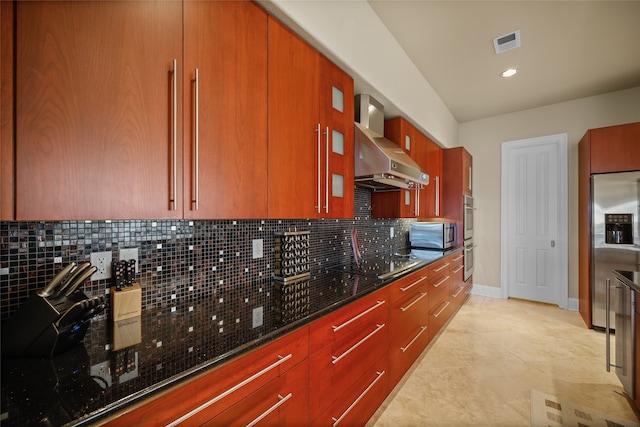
point(629, 278)
point(91, 381)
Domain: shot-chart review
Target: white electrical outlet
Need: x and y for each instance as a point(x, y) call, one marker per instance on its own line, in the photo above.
point(129, 253)
point(258, 314)
point(102, 261)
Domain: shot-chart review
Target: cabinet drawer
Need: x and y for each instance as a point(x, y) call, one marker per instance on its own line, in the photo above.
point(361, 339)
point(408, 314)
point(213, 392)
point(438, 317)
point(343, 327)
point(400, 289)
point(283, 401)
point(439, 267)
point(402, 354)
point(359, 401)
point(456, 260)
point(438, 290)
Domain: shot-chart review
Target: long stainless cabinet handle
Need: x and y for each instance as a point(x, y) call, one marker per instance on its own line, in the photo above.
point(236, 387)
point(197, 139)
point(458, 258)
point(469, 177)
point(280, 402)
point(437, 196)
point(422, 295)
point(458, 293)
point(353, 319)
point(440, 268)
point(441, 281)
point(416, 211)
point(458, 269)
point(336, 421)
point(608, 324)
point(421, 279)
point(326, 178)
point(336, 359)
point(319, 172)
point(422, 329)
point(443, 309)
point(174, 190)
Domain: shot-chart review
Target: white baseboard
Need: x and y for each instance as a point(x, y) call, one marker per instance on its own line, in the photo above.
point(486, 291)
point(494, 292)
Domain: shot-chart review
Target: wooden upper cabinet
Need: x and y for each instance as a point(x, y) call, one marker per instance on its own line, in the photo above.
point(6, 112)
point(433, 192)
point(336, 119)
point(306, 129)
point(98, 103)
point(226, 149)
point(424, 203)
point(615, 148)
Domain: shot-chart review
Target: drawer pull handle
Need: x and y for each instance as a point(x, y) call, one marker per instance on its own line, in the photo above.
point(459, 258)
point(336, 359)
point(421, 279)
point(458, 269)
point(280, 402)
point(231, 390)
point(443, 309)
point(458, 293)
point(422, 329)
point(353, 319)
point(444, 266)
point(422, 295)
point(336, 421)
point(441, 281)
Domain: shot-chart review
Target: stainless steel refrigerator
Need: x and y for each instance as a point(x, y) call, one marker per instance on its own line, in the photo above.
point(615, 237)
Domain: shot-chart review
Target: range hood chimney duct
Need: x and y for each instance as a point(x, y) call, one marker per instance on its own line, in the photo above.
point(380, 164)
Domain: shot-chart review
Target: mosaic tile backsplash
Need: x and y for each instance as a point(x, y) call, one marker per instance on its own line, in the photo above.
point(181, 261)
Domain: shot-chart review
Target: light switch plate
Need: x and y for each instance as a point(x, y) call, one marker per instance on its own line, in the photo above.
point(129, 253)
point(258, 251)
point(258, 317)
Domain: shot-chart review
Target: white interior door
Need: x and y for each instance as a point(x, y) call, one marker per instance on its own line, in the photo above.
point(534, 229)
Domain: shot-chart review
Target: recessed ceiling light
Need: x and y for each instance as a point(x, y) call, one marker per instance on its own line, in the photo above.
point(509, 72)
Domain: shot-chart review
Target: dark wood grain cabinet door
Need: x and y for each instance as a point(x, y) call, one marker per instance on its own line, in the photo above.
point(336, 121)
point(615, 148)
point(294, 131)
point(310, 143)
point(226, 136)
point(432, 199)
point(97, 110)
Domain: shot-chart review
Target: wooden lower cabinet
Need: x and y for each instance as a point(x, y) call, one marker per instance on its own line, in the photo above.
point(344, 346)
point(284, 402)
point(336, 371)
point(214, 392)
point(408, 323)
point(360, 400)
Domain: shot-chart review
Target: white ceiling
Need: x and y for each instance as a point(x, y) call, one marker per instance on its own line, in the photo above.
point(569, 50)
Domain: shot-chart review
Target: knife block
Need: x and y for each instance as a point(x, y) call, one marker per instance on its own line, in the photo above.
point(126, 333)
point(126, 303)
point(32, 329)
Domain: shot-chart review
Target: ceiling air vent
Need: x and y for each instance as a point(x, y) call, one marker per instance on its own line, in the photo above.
point(507, 42)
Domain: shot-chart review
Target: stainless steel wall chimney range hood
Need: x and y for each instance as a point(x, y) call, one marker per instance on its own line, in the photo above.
point(380, 164)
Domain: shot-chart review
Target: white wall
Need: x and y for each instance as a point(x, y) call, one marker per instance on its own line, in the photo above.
point(483, 139)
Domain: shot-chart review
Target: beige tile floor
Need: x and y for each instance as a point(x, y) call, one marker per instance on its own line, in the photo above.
point(480, 370)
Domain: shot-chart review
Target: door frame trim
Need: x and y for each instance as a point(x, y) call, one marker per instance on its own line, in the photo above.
point(560, 141)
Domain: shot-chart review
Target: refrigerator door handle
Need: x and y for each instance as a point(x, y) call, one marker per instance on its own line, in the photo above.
point(553, 243)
